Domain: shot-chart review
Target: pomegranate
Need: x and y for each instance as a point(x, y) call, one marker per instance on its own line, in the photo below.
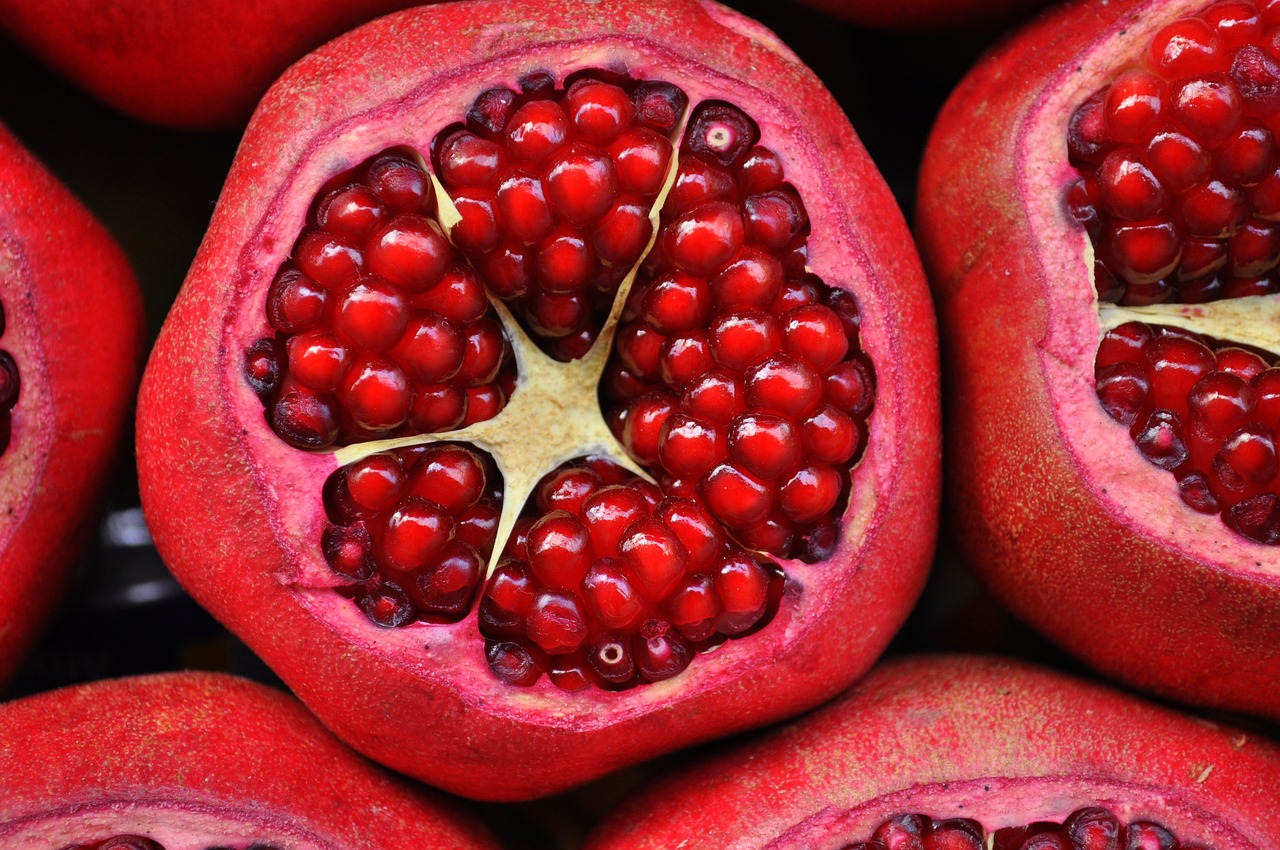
point(180, 761)
point(71, 335)
point(1095, 212)
point(198, 66)
point(968, 752)
point(547, 401)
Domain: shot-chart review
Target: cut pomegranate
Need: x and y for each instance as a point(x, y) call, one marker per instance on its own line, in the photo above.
point(967, 753)
point(1138, 316)
point(69, 361)
point(199, 761)
point(586, 386)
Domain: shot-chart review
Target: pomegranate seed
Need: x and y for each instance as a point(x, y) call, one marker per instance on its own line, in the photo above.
point(348, 551)
point(445, 589)
point(581, 184)
point(567, 490)
point(698, 181)
point(721, 132)
point(465, 159)
point(830, 436)
point(507, 599)
point(622, 234)
point(759, 171)
point(401, 184)
point(611, 598)
point(1149, 836)
point(376, 394)
point(327, 259)
point(304, 420)
point(1186, 47)
point(773, 219)
point(609, 512)
point(559, 550)
point(1208, 106)
point(1177, 160)
point(1124, 391)
point(659, 653)
point(689, 447)
point(261, 369)
point(653, 555)
point(693, 608)
point(513, 663)
point(477, 231)
point(565, 263)
point(521, 204)
point(555, 622)
point(598, 111)
point(677, 302)
point(386, 605)
point(743, 588)
point(705, 239)
point(764, 444)
point(751, 282)
point(376, 482)
point(452, 477)
point(641, 158)
point(735, 496)
point(1134, 104)
point(742, 340)
point(410, 252)
point(536, 130)
point(696, 529)
point(716, 397)
point(684, 359)
point(295, 303)
point(612, 661)
point(371, 313)
point(659, 105)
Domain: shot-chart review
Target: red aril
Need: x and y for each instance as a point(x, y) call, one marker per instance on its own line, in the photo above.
point(645, 585)
point(199, 761)
point(968, 753)
point(71, 338)
point(1113, 335)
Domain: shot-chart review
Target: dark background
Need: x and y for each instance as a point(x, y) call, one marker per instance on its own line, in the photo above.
point(155, 190)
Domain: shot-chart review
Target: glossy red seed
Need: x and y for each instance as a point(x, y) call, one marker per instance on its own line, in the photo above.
point(643, 428)
point(295, 302)
point(611, 599)
point(693, 607)
point(715, 397)
point(653, 556)
point(660, 654)
point(262, 368)
point(565, 262)
point(767, 445)
point(744, 339)
point(522, 208)
point(371, 313)
point(598, 111)
point(445, 589)
point(452, 477)
point(559, 550)
point(620, 237)
point(377, 481)
point(689, 447)
point(814, 335)
point(465, 159)
point(581, 184)
point(1130, 190)
point(735, 496)
point(684, 359)
point(410, 252)
point(1177, 160)
point(785, 386)
point(1134, 105)
point(830, 436)
point(1209, 106)
point(1124, 391)
point(810, 493)
point(743, 587)
point(567, 489)
point(328, 260)
point(1144, 252)
point(401, 184)
point(705, 239)
point(1160, 438)
point(751, 282)
point(536, 130)
point(415, 534)
point(641, 158)
point(477, 230)
point(608, 513)
point(555, 622)
point(1187, 46)
point(512, 663)
point(611, 659)
point(303, 419)
point(699, 180)
point(437, 407)
point(773, 219)
point(376, 394)
point(317, 360)
point(431, 349)
point(676, 302)
point(386, 605)
point(760, 170)
point(348, 550)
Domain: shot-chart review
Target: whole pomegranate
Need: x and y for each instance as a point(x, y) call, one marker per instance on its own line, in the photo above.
point(71, 335)
point(201, 761)
point(1098, 211)
point(195, 66)
point(543, 400)
point(969, 753)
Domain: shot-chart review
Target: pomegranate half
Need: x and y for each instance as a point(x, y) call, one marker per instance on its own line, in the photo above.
point(963, 753)
point(543, 400)
point(1095, 210)
point(71, 337)
point(198, 761)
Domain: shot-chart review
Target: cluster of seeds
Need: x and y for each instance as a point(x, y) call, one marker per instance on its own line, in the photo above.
point(137, 842)
point(611, 583)
point(554, 188)
point(1091, 828)
point(9, 386)
point(1208, 414)
point(738, 376)
point(378, 330)
point(1180, 186)
point(410, 531)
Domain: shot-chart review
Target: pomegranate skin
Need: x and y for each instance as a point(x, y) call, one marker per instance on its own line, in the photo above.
point(201, 759)
point(1053, 506)
point(238, 516)
point(191, 66)
point(997, 741)
point(74, 326)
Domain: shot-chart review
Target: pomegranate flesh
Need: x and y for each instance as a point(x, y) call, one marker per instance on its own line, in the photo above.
point(71, 337)
point(969, 753)
point(1101, 238)
point(199, 761)
point(551, 407)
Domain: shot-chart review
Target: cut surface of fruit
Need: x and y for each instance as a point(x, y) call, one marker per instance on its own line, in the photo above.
point(573, 370)
point(69, 363)
point(1120, 491)
point(969, 753)
point(198, 761)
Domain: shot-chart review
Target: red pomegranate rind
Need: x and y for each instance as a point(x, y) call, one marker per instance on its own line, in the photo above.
point(999, 742)
point(1054, 505)
point(197, 760)
point(426, 702)
point(77, 350)
point(178, 65)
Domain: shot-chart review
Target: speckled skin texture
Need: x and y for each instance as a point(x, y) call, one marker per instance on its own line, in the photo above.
point(176, 63)
point(237, 514)
point(1053, 505)
point(74, 325)
point(194, 760)
point(1001, 742)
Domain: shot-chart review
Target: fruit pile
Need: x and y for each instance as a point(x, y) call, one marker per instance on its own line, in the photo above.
point(543, 401)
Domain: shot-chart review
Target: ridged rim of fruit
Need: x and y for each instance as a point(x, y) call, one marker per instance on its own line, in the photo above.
point(955, 736)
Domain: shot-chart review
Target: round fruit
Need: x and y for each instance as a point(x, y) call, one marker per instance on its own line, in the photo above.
point(71, 336)
point(1100, 237)
point(546, 401)
point(182, 761)
point(198, 66)
point(967, 753)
